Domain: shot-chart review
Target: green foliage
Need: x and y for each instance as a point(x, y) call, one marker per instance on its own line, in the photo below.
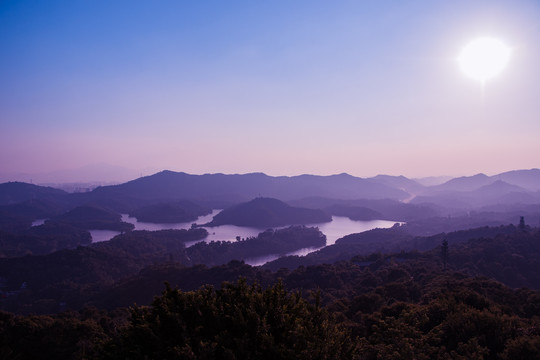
point(512, 258)
point(267, 242)
point(75, 276)
point(238, 321)
point(80, 335)
point(390, 311)
point(43, 239)
point(400, 306)
point(267, 212)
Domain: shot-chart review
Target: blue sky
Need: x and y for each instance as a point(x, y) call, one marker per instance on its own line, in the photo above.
point(282, 87)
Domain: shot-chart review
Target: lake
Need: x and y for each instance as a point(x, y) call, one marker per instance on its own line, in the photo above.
point(337, 228)
point(38, 222)
point(102, 235)
point(223, 232)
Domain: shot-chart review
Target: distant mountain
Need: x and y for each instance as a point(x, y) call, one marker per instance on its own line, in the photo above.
point(16, 192)
point(495, 192)
point(383, 194)
point(386, 209)
point(498, 189)
point(432, 180)
point(525, 179)
point(399, 182)
point(266, 213)
point(464, 183)
point(528, 179)
point(172, 185)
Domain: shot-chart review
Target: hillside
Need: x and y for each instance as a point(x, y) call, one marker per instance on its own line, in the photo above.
point(473, 192)
point(92, 217)
point(268, 242)
point(464, 183)
point(16, 192)
point(383, 209)
point(266, 213)
point(94, 267)
point(174, 212)
point(395, 305)
point(528, 179)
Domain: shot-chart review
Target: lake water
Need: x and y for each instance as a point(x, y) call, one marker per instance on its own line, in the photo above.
point(341, 226)
point(223, 232)
point(337, 228)
point(102, 235)
point(38, 222)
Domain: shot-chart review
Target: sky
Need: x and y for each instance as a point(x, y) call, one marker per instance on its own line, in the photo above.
point(284, 87)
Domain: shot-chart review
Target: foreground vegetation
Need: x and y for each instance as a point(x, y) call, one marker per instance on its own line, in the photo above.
point(382, 294)
point(399, 312)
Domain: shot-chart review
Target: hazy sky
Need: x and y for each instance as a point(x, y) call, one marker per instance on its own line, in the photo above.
point(283, 87)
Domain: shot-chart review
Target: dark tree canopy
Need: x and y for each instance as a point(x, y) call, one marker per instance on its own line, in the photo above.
point(238, 321)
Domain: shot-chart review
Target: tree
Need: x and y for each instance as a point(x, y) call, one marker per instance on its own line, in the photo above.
point(238, 321)
point(444, 253)
point(522, 223)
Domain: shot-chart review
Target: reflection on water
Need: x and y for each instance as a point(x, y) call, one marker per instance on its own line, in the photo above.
point(227, 233)
point(261, 260)
point(217, 233)
point(337, 228)
point(103, 235)
point(38, 222)
point(341, 226)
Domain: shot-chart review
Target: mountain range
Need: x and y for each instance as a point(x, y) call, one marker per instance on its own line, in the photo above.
point(222, 190)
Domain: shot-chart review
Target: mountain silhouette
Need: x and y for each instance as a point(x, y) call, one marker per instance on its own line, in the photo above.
point(16, 192)
point(267, 212)
point(178, 185)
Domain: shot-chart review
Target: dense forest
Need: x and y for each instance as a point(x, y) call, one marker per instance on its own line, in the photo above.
point(402, 306)
point(263, 213)
point(447, 281)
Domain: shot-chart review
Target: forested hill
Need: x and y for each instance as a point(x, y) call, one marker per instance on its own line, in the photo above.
point(400, 306)
point(266, 213)
point(16, 192)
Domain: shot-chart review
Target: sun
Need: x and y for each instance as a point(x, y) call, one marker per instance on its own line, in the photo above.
point(484, 58)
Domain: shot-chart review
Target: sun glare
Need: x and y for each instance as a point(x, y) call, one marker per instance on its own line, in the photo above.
point(484, 58)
